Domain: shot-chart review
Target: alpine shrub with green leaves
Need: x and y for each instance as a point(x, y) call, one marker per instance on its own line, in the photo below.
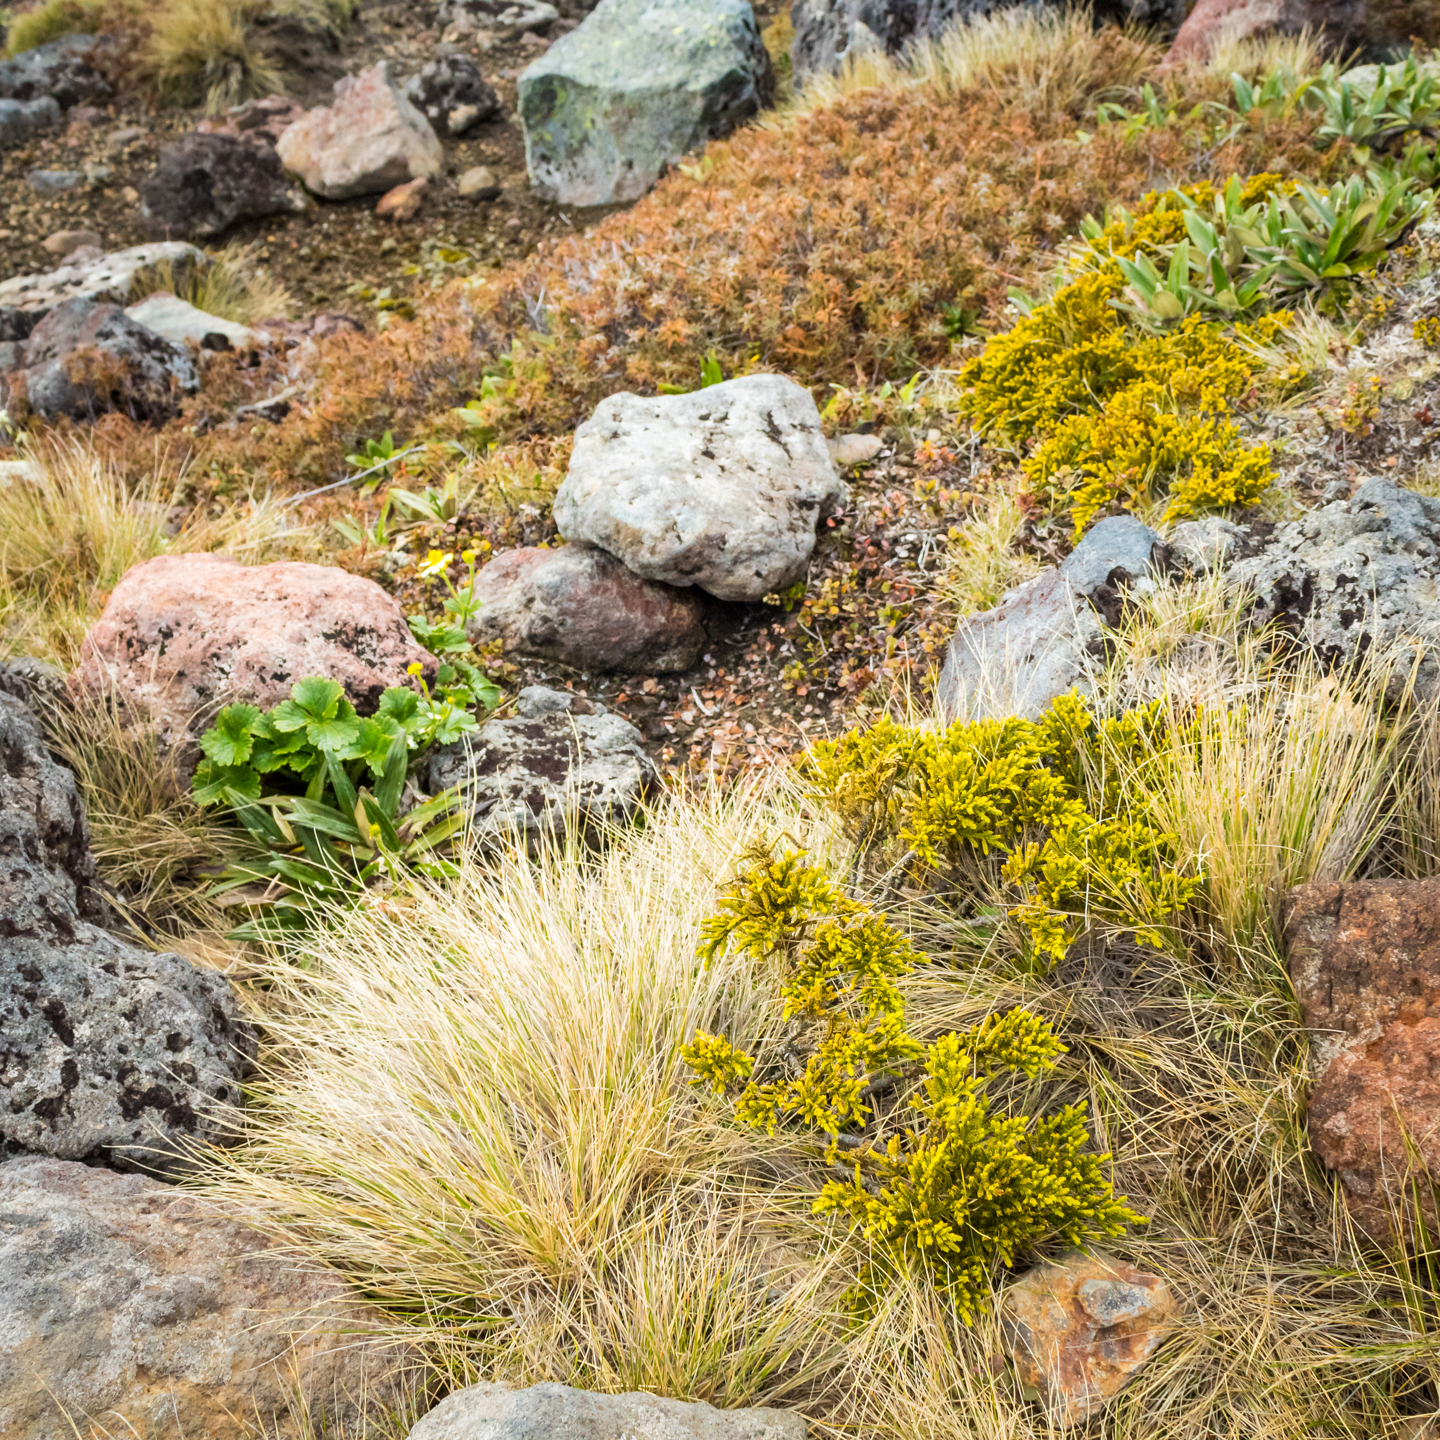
point(321, 790)
point(946, 1182)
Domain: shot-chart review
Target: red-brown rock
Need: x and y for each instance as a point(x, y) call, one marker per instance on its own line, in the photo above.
point(582, 607)
point(1365, 963)
point(184, 634)
point(1078, 1330)
point(1342, 22)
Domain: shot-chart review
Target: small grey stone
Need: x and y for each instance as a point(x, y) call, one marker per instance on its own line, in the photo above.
point(21, 119)
point(850, 450)
point(53, 182)
point(1205, 544)
point(537, 700)
point(1108, 1302)
point(60, 70)
point(480, 183)
point(557, 1412)
point(527, 777)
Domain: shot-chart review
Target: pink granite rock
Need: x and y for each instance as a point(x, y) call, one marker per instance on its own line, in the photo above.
point(370, 140)
point(184, 634)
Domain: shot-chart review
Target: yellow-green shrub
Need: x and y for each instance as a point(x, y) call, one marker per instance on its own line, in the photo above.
point(948, 1184)
point(1113, 415)
point(53, 19)
point(1030, 809)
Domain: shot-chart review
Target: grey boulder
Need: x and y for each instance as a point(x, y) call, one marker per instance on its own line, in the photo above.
point(583, 608)
point(557, 1412)
point(25, 299)
point(1355, 578)
point(1047, 637)
point(86, 359)
point(108, 1053)
point(204, 184)
point(555, 763)
point(496, 19)
point(722, 488)
point(63, 69)
point(20, 119)
point(600, 128)
point(135, 1306)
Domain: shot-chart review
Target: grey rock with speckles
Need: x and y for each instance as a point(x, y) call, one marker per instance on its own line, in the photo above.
point(537, 773)
point(722, 488)
point(1352, 578)
point(108, 1053)
point(557, 1412)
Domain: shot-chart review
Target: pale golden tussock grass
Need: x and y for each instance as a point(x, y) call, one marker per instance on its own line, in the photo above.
point(233, 284)
point(73, 527)
point(1040, 59)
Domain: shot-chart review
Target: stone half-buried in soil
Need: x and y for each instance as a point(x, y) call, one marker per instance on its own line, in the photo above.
point(1080, 1329)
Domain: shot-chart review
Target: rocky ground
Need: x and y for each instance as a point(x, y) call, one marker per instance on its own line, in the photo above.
point(366, 485)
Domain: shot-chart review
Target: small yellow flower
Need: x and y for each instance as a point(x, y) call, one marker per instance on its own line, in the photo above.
point(468, 556)
point(436, 563)
point(414, 667)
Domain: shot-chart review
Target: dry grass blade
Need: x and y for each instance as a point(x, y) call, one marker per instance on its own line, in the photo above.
point(204, 51)
point(477, 1108)
point(71, 530)
point(1043, 60)
point(233, 285)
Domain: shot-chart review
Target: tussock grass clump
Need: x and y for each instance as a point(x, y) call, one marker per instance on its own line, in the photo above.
point(76, 527)
point(1046, 60)
point(233, 284)
point(205, 51)
point(49, 21)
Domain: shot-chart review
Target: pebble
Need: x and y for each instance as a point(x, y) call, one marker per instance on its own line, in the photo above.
point(404, 201)
point(98, 174)
point(851, 450)
point(53, 182)
point(124, 135)
point(62, 242)
point(479, 182)
point(461, 118)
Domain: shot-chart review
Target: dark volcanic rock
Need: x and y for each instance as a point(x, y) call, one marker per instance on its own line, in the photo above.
point(108, 1053)
point(86, 359)
point(452, 93)
point(528, 776)
point(204, 184)
point(63, 69)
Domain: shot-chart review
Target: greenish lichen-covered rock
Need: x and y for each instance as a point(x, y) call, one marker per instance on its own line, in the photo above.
point(635, 87)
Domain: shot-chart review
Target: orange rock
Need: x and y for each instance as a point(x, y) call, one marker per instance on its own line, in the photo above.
point(1365, 963)
point(403, 202)
point(1079, 1329)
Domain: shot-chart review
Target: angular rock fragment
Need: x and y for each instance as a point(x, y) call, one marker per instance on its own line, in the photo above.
point(600, 128)
point(722, 488)
point(369, 141)
point(204, 184)
point(1080, 1329)
point(529, 776)
point(452, 93)
point(583, 608)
